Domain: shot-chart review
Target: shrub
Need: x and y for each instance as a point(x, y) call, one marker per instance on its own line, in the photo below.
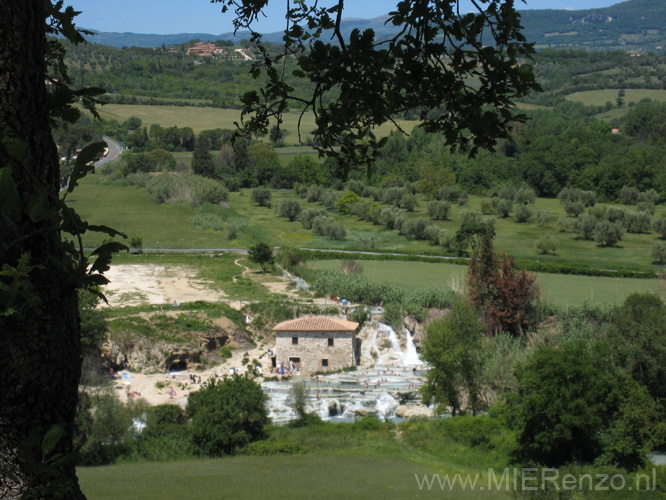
point(336, 231)
point(574, 208)
point(450, 193)
point(409, 202)
point(227, 414)
point(487, 207)
point(645, 206)
point(522, 213)
point(659, 225)
point(225, 352)
point(546, 244)
point(506, 192)
point(357, 187)
point(525, 195)
point(615, 214)
point(649, 196)
point(289, 209)
point(608, 233)
point(390, 217)
point(566, 225)
point(637, 222)
point(629, 195)
point(272, 449)
point(360, 209)
point(471, 216)
point(187, 187)
point(261, 196)
point(503, 207)
point(347, 199)
point(313, 194)
point(321, 224)
point(588, 198)
point(392, 195)
point(438, 210)
point(329, 198)
point(659, 252)
point(543, 217)
point(308, 216)
point(585, 226)
point(415, 229)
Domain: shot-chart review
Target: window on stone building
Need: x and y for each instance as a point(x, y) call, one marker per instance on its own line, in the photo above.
point(324, 363)
point(330, 342)
point(294, 341)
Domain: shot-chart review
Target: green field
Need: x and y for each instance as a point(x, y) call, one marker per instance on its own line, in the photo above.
point(204, 118)
point(557, 289)
point(133, 211)
point(601, 97)
point(301, 477)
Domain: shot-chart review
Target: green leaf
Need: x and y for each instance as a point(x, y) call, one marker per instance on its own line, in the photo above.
point(10, 203)
point(106, 230)
point(15, 147)
point(38, 208)
point(84, 163)
point(105, 254)
point(52, 437)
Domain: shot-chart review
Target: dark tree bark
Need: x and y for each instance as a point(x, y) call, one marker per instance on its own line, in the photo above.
point(40, 344)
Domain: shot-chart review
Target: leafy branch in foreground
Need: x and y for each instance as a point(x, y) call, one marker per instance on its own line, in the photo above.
point(461, 72)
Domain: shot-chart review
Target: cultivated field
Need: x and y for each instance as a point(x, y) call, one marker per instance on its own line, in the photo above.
point(557, 289)
point(204, 118)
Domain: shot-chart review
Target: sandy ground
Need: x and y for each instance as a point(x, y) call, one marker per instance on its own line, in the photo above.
point(141, 284)
point(136, 284)
point(140, 385)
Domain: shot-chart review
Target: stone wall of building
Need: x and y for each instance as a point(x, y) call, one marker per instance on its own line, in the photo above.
point(312, 348)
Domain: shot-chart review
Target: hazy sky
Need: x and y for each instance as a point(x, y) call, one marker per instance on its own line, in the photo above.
point(200, 16)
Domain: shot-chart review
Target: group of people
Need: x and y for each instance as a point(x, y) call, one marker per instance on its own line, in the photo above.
point(194, 379)
point(280, 369)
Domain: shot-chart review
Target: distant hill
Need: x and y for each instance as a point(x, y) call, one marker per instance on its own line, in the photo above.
point(634, 26)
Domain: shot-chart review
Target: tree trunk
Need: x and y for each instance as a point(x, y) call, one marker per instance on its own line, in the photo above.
point(40, 344)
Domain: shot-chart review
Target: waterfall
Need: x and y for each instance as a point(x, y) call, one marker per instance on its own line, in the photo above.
point(386, 404)
point(411, 357)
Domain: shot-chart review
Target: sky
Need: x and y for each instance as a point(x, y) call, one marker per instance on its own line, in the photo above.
point(200, 16)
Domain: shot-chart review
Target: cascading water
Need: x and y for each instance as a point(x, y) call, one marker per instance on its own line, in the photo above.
point(386, 374)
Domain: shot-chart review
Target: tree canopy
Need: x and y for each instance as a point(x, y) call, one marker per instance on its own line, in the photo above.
point(460, 71)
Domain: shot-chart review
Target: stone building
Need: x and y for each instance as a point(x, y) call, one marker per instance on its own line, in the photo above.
point(316, 343)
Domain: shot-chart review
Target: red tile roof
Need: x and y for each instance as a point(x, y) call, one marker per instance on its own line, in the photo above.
point(316, 324)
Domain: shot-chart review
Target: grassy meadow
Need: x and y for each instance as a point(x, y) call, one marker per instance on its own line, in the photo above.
point(133, 211)
point(204, 118)
point(557, 289)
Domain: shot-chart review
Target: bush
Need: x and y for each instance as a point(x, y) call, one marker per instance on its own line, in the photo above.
point(525, 195)
point(313, 194)
point(357, 187)
point(337, 231)
point(522, 213)
point(416, 229)
point(637, 222)
point(346, 200)
point(629, 195)
point(585, 226)
point(321, 225)
point(659, 252)
point(329, 198)
point(225, 352)
point(503, 207)
point(272, 449)
point(261, 196)
point(615, 214)
point(308, 216)
point(471, 216)
point(289, 209)
point(187, 187)
point(227, 414)
point(408, 202)
point(543, 217)
point(608, 233)
point(546, 244)
point(650, 197)
point(574, 208)
point(659, 225)
point(390, 218)
point(450, 193)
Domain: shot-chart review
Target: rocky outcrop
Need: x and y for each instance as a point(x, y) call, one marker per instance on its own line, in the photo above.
point(144, 354)
point(418, 329)
point(414, 411)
